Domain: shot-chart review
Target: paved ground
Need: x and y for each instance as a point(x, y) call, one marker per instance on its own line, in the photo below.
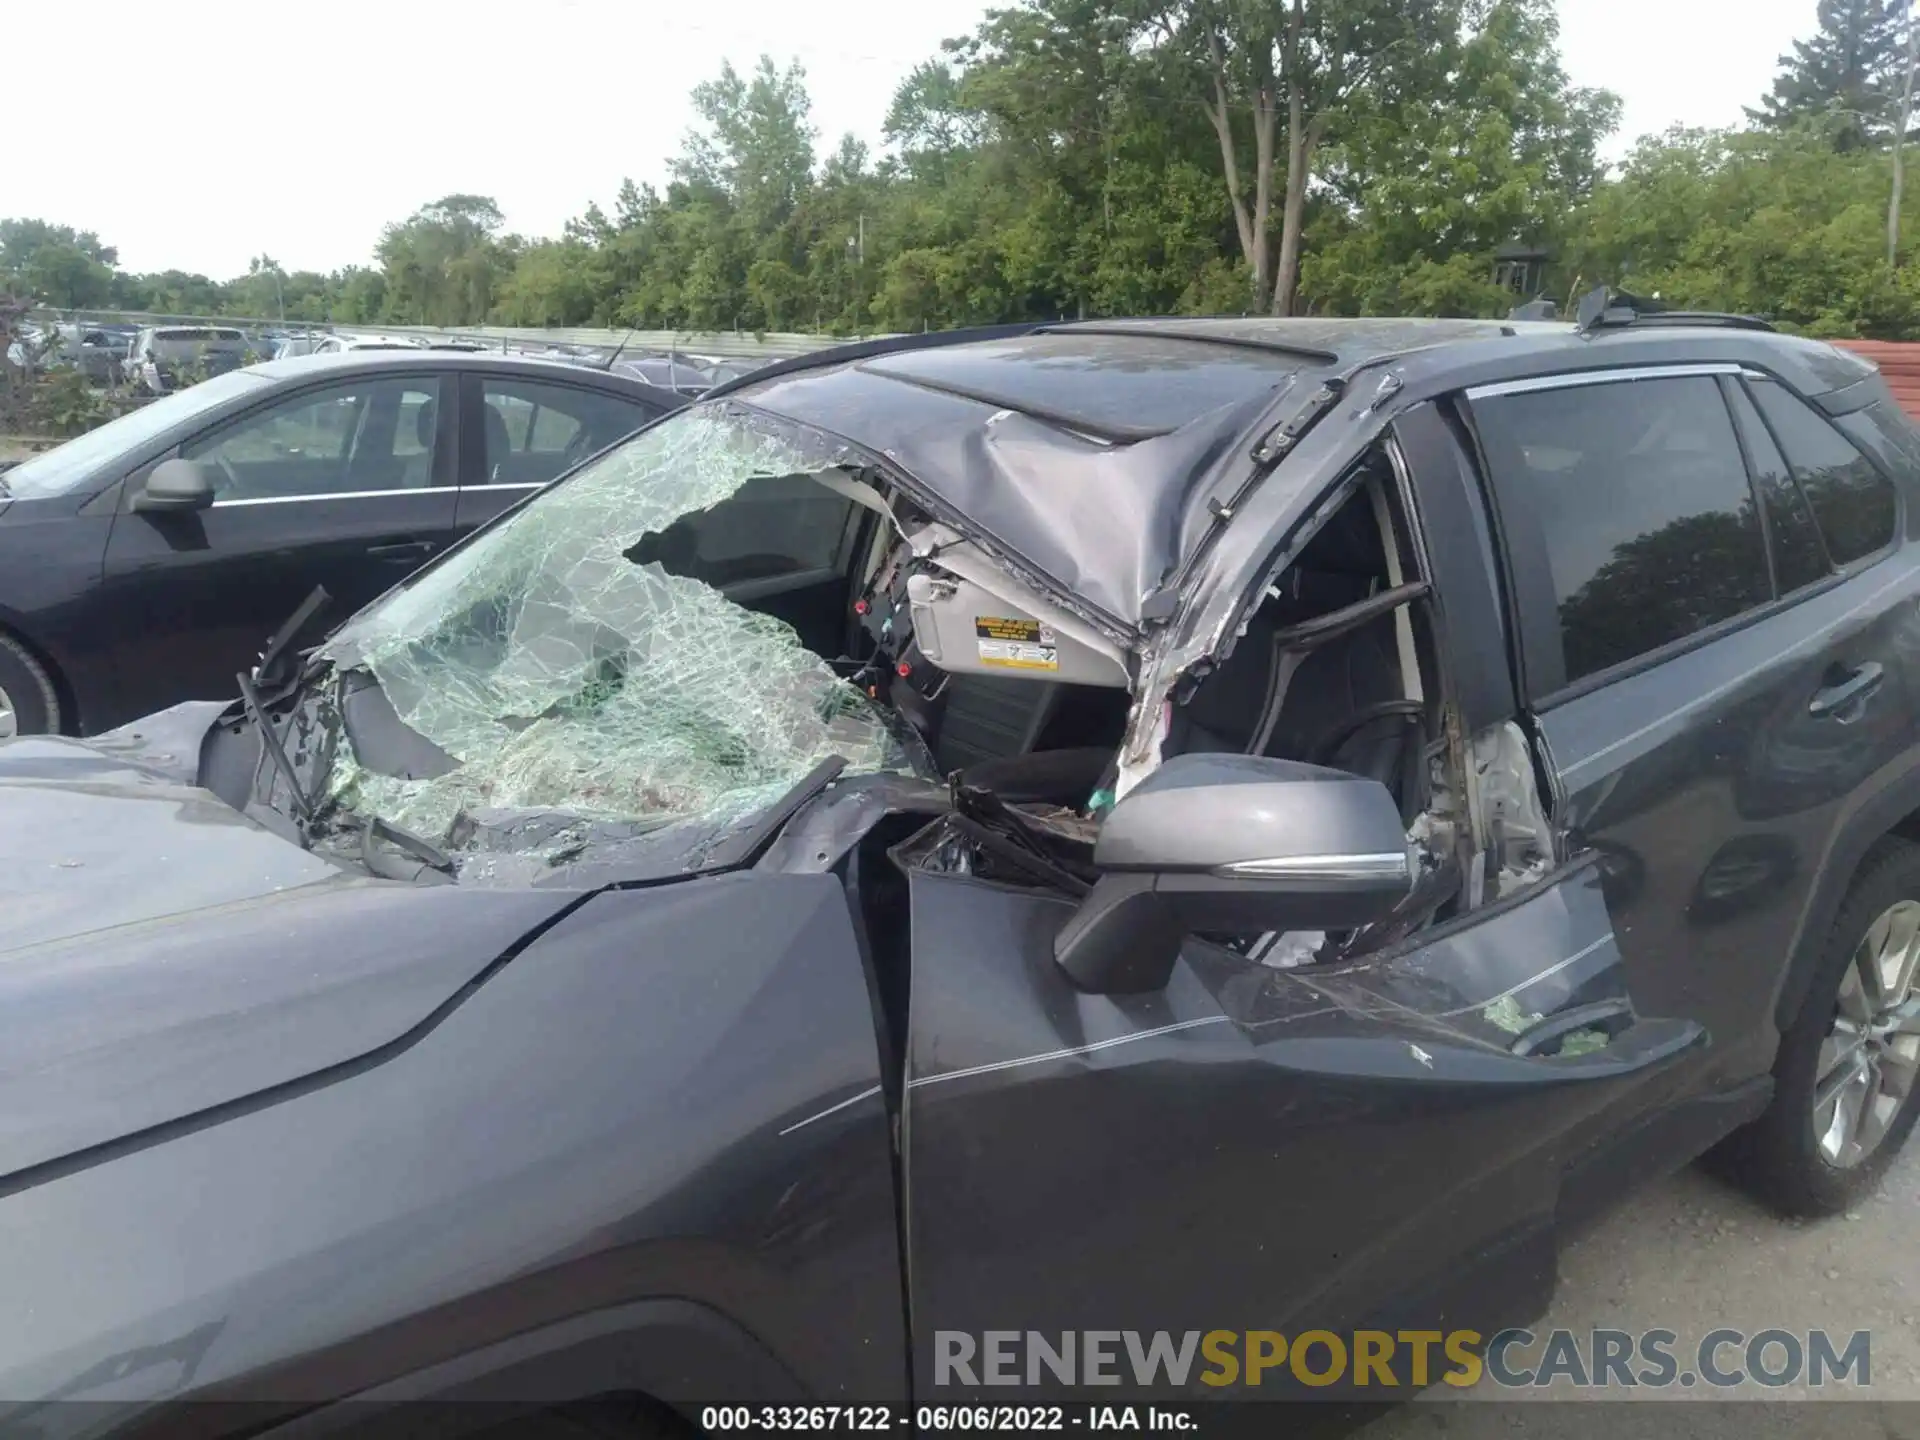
point(1691, 1255)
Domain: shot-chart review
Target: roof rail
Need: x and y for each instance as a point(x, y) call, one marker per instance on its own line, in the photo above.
point(1608, 309)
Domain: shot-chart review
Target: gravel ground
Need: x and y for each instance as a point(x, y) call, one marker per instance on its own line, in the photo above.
point(1691, 1255)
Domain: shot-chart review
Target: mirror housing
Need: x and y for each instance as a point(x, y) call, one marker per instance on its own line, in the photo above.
point(1231, 844)
point(175, 485)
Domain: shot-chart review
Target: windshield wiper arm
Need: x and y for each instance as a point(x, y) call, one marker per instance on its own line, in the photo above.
point(421, 849)
point(270, 741)
point(290, 630)
point(750, 846)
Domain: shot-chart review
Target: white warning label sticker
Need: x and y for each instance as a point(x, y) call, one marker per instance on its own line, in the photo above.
point(1018, 644)
point(1018, 655)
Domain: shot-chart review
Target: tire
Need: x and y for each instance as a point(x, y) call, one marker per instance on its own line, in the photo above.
point(29, 703)
point(1788, 1157)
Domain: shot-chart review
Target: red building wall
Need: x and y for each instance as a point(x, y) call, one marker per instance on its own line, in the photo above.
point(1899, 363)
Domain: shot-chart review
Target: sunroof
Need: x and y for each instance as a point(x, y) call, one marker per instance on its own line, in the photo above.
point(1122, 386)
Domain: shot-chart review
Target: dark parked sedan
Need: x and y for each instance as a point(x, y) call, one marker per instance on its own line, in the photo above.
point(147, 561)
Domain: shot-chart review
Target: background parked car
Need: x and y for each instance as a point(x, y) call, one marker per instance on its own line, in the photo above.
point(301, 342)
point(123, 589)
point(102, 353)
point(348, 344)
point(164, 356)
point(679, 373)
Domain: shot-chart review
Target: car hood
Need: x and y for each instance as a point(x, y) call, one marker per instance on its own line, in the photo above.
point(164, 958)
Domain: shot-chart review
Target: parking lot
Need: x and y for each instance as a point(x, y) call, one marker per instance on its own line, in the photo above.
point(1691, 1255)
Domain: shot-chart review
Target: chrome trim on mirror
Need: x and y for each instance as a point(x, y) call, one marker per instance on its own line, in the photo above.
point(1392, 866)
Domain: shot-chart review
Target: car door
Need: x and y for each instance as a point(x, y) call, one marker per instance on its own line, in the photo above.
point(521, 431)
point(1700, 665)
point(347, 485)
point(1384, 1142)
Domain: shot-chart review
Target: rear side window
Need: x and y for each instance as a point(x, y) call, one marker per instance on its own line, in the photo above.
point(1642, 507)
point(1853, 502)
point(535, 430)
point(1798, 556)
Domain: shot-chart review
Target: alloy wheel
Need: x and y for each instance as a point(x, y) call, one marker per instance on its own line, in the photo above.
point(1872, 1049)
point(9, 725)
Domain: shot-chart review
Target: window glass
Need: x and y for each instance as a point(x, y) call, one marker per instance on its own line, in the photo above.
point(1853, 502)
point(1642, 500)
point(535, 430)
point(100, 455)
point(374, 434)
point(1798, 558)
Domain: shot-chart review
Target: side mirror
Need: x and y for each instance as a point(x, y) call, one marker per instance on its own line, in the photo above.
point(175, 485)
point(1234, 844)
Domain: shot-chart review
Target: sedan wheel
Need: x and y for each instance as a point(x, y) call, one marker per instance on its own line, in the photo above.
point(1872, 1049)
point(29, 704)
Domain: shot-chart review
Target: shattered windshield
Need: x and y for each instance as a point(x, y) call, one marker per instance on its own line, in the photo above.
point(564, 669)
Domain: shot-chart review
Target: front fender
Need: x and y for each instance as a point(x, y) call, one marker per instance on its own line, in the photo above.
point(673, 1093)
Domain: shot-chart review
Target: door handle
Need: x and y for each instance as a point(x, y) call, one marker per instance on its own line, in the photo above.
point(402, 550)
point(1845, 687)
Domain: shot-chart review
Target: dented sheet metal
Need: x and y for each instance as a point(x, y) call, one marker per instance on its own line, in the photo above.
point(565, 675)
point(1498, 977)
point(1106, 521)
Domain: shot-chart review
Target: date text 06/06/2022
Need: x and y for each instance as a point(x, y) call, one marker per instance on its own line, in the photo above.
point(962, 1419)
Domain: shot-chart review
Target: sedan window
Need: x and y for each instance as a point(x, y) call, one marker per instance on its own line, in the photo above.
point(535, 430)
point(99, 454)
point(367, 435)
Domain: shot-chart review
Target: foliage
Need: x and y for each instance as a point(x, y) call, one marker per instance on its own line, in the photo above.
point(1845, 78)
point(71, 268)
point(1772, 224)
point(1101, 157)
point(69, 404)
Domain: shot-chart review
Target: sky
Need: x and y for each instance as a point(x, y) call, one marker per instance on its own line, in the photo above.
point(196, 134)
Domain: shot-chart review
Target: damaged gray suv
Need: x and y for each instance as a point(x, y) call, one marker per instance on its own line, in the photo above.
point(1149, 825)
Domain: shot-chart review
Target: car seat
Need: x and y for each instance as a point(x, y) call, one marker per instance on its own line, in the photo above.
point(498, 453)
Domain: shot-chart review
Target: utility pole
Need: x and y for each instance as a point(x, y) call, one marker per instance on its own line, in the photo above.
point(1900, 141)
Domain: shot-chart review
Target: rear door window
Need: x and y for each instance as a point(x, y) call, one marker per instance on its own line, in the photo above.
point(1639, 499)
point(536, 429)
point(1799, 559)
point(1854, 503)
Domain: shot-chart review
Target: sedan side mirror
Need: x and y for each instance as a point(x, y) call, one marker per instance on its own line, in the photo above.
point(175, 485)
point(1233, 844)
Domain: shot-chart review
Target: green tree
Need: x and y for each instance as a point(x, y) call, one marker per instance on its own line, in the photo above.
point(56, 264)
point(1420, 196)
point(441, 264)
point(1290, 76)
point(1846, 77)
point(755, 144)
point(1776, 224)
